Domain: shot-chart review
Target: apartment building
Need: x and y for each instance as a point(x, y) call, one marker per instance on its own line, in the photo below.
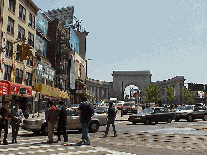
point(19, 22)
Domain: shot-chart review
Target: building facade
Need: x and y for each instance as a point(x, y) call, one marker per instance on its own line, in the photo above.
point(59, 55)
point(19, 22)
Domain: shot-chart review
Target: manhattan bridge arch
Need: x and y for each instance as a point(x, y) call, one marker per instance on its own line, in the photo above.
point(122, 79)
point(141, 79)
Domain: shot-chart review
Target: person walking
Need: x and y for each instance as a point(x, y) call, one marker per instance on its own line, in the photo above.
point(111, 119)
point(51, 120)
point(16, 116)
point(62, 121)
point(5, 115)
point(86, 112)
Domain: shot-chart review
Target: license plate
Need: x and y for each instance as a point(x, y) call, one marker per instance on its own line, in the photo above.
point(129, 111)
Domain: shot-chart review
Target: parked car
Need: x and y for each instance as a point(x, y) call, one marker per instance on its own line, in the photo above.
point(39, 124)
point(102, 109)
point(152, 114)
point(129, 107)
point(191, 112)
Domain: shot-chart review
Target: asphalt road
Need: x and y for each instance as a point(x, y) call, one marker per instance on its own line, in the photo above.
point(157, 139)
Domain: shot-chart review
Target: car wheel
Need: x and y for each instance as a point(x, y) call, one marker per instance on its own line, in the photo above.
point(190, 118)
point(36, 132)
point(169, 120)
point(177, 119)
point(147, 121)
point(134, 122)
point(93, 126)
point(44, 129)
point(205, 117)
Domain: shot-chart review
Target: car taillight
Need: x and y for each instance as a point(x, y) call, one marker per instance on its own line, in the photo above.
point(36, 122)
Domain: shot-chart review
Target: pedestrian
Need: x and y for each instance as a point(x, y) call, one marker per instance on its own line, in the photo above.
point(86, 112)
point(111, 119)
point(5, 115)
point(51, 120)
point(62, 121)
point(16, 116)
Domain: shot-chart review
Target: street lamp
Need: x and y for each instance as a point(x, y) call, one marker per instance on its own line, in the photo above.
point(87, 66)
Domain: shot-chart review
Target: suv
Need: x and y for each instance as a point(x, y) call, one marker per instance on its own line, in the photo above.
point(129, 107)
point(191, 112)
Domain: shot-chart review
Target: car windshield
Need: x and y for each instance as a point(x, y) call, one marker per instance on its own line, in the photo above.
point(102, 108)
point(73, 105)
point(181, 107)
point(189, 108)
point(147, 111)
point(129, 104)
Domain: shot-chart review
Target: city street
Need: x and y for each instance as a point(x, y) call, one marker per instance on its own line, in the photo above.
point(175, 138)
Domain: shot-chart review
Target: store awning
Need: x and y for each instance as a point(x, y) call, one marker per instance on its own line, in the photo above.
point(64, 95)
point(14, 89)
point(3, 89)
point(47, 90)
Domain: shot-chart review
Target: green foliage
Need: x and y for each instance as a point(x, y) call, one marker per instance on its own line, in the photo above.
point(152, 93)
point(188, 96)
point(170, 93)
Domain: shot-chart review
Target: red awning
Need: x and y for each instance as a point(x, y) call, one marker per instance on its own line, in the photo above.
point(14, 89)
point(3, 89)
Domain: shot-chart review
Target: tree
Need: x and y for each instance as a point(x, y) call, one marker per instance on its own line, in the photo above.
point(152, 93)
point(188, 96)
point(170, 93)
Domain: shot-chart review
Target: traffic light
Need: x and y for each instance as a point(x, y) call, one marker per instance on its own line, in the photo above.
point(28, 50)
point(24, 51)
point(20, 48)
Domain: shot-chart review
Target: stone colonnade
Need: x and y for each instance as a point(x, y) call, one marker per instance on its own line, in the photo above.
point(98, 90)
point(177, 83)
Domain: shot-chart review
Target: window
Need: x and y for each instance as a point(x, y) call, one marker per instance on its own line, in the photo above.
point(18, 57)
point(7, 74)
point(12, 5)
point(48, 82)
point(9, 49)
point(21, 32)
point(30, 61)
point(18, 76)
point(22, 12)
point(40, 80)
point(30, 39)
point(31, 20)
point(10, 26)
point(28, 79)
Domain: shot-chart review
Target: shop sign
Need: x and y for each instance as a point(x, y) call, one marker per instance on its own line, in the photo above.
point(3, 55)
point(22, 91)
point(45, 71)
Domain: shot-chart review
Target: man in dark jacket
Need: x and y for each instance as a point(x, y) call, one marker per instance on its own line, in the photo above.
point(16, 116)
point(86, 112)
point(111, 119)
point(62, 121)
point(5, 114)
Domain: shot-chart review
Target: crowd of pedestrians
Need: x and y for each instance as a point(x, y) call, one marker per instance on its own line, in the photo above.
point(54, 116)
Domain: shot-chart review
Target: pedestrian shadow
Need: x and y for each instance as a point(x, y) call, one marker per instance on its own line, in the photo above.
point(141, 124)
point(44, 143)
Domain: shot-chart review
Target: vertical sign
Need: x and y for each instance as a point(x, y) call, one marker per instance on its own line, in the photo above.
point(34, 70)
point(3, 55)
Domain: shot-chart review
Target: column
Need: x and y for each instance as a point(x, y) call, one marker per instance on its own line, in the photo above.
point(107, 94)
point(97, 94)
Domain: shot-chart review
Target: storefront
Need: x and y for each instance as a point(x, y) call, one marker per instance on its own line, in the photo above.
point(15, 92)
point(45, 93)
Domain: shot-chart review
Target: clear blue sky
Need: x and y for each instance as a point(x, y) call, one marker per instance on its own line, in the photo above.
point(166, 37)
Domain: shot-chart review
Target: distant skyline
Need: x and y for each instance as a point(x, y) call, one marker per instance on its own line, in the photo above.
point(166, 37)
